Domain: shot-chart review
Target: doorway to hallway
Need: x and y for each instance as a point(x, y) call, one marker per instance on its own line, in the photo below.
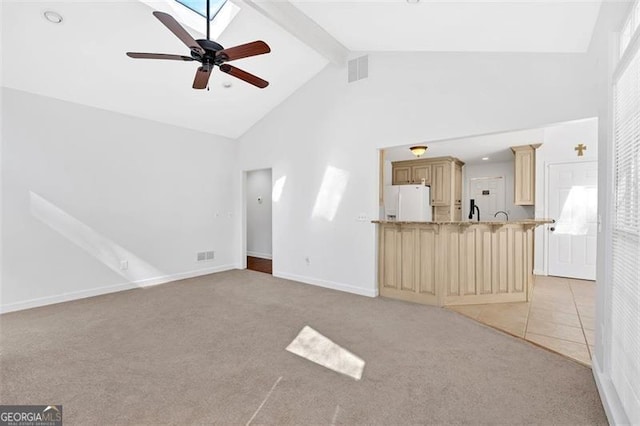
point(258, 187)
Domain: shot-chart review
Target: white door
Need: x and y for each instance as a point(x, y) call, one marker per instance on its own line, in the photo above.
point(488, 193)
point(573, 203)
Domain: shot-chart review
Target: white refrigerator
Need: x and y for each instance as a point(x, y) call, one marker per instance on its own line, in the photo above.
point(408, 203)
point(414, 203)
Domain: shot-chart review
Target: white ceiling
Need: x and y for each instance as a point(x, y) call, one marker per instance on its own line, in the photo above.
point(471, 150)
point(457, 26)
point(83, 60)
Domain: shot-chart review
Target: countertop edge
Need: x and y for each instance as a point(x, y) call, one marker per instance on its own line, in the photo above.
point(468, 223)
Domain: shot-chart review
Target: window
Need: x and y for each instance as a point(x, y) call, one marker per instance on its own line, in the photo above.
point(200, 7)
point(625, 256)
point(630, 27)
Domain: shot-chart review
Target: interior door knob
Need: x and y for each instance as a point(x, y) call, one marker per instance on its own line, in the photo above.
point(553, 228)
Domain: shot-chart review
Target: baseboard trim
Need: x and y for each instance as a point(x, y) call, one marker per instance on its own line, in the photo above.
point(327, 284)
point(183, 275)
point(259, 255)
point(610, 400)
point(97, 291)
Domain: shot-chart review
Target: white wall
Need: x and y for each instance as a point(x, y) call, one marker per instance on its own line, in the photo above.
point(258, 185)
point(407, 98)
point(83, 189)
point(494, 169)
point(558, 147)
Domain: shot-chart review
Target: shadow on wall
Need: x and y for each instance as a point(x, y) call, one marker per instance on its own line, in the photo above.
point(115, 257)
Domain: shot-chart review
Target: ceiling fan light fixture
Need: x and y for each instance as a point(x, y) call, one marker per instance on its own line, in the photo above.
point(53, 17)
point(418, 150)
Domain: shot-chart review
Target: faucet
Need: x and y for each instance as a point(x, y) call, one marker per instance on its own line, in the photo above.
point(472, 209)
point(503, 212)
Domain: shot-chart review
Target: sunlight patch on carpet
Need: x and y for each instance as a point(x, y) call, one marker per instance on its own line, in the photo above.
point(317, 348)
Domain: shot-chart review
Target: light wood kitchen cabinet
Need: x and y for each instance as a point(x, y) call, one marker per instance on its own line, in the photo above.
point(420, 172)
point(456, 263)
point(447, 213)
point(525, 175)
point(441, 184)
point(443, 175)
point(401, 175)
point(457, 185)
point(408, 263)
point(411, 172)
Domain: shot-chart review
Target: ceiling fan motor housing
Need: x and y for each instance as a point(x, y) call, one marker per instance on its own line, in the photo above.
point(210, 50)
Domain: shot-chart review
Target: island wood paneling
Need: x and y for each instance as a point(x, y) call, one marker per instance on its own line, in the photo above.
point(456, 263)
point(408, 263)
point(427, 261)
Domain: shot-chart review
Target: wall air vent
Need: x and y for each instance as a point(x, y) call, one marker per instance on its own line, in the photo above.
point(358, 68)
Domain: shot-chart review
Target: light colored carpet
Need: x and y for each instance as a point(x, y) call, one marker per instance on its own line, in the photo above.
point(209, 350)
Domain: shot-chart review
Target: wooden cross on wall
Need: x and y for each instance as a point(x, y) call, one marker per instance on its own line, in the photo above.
point(581, 148)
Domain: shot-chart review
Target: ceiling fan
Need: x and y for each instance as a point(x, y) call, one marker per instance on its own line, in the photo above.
point(209, 54)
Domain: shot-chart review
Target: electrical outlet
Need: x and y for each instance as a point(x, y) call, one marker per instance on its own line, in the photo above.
point(124, 265)
point(308, 260)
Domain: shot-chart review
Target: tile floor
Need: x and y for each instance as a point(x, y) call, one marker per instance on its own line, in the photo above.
point(559, 316)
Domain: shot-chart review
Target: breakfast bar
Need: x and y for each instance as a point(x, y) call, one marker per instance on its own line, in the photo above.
point(456, 263)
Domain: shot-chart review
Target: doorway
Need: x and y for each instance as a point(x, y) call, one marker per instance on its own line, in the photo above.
point(259, 255)
point(573, 204)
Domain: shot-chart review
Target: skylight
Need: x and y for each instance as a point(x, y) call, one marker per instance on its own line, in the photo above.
point(200, 7)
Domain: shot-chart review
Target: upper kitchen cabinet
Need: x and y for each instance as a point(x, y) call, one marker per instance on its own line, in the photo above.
point(401, 175)
point(446, 182)
point(441, 186)
point(443, 174)
point(411, 172)
point(525, 174)
point(421, 173)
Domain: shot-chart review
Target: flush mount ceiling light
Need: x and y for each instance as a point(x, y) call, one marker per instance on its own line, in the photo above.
point(485, 158)
point(52, 16)
point(418, 150)
point(413, 1)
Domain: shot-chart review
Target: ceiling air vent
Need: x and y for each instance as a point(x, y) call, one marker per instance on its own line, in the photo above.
point(358, 68)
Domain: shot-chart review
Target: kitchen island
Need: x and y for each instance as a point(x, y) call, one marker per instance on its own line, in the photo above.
point(456, 263)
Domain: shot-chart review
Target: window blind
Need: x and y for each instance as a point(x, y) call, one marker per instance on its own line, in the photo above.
point(625, 256)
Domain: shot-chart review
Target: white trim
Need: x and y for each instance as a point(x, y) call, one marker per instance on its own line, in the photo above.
point(539, 272)
point(610, 400)
point(328, 284)
point(97, 291)
point(260, 255)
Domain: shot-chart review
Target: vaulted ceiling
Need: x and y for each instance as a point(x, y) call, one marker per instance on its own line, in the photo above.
point(457, 26)
point(83, 59)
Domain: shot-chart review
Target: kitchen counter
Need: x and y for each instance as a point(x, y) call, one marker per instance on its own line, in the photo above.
point(456, 263)
point(470, 222)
